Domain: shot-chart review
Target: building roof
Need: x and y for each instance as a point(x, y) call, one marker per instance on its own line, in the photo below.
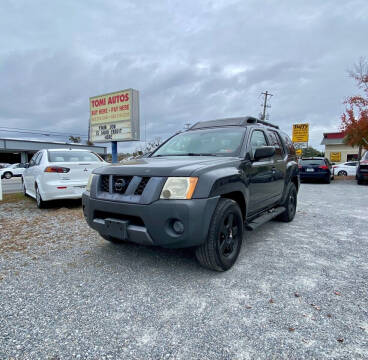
point(333, 138)
point(18, 145)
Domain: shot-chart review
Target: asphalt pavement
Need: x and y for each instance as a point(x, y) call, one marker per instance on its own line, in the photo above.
point(298, 291)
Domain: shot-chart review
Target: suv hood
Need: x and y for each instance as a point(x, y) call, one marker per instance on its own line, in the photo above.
point(164, 166)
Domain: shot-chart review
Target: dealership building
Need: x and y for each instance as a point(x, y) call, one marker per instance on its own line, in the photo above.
point(20, 150)
point(335, 149)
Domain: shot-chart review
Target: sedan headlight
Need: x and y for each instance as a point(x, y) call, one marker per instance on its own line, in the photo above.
point(89, 183)
point(179, 188)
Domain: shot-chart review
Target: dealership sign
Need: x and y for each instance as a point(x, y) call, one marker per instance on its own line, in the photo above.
point(114, 116)
point(300, 133)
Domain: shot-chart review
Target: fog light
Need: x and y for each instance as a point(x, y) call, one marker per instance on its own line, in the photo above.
point(178, 227)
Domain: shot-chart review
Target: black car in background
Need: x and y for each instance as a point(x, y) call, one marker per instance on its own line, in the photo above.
point(315, 168)
point(362, 170)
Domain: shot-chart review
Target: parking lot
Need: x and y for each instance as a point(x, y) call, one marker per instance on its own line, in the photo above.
point(298, 290)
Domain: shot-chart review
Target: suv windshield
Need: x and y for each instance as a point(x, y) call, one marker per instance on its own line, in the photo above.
point(210, 142)
point(365, 156)
point(72, 156)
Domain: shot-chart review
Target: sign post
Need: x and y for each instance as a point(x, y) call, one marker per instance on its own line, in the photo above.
point(115, 117)
point(300, 137)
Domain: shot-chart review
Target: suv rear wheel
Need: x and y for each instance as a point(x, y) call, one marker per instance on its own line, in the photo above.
point(224, 238)
point(290, 205)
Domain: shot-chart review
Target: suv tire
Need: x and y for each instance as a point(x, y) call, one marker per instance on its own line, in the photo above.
point(290, 205)
point(224, 239)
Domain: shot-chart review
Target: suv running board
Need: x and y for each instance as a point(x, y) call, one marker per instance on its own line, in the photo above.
point(267, 216)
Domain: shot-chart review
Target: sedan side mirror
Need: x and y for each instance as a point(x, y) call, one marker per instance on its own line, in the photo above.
point(26, 165)
point(264, 152)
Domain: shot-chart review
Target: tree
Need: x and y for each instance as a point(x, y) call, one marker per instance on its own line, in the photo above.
point(354, 120)
point(312, 152)
point(74, 139)
point(148, 147)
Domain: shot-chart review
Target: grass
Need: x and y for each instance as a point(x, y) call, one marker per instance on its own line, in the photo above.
point(11, 198)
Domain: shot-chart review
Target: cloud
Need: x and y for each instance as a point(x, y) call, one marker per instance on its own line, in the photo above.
point(190, 61)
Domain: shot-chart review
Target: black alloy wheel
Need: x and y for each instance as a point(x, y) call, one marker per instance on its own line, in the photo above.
point(224, 239)
point(228, 237)
point(290, 205)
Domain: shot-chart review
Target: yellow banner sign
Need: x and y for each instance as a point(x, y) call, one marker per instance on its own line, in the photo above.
point(335, 156)
point(300, 132)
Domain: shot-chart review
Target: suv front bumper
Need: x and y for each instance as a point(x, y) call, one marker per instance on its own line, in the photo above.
point(152, 224)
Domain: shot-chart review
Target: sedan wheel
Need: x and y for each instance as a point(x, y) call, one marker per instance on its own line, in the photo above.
point(40, 202)
point(342, 173)
point(8, 175)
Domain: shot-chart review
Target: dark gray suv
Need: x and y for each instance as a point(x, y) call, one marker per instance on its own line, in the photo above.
point(201, 189)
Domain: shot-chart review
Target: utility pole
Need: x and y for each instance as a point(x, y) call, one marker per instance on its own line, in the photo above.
point(265, 106)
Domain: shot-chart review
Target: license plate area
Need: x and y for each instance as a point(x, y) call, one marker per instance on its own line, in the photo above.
point(310, 170)
point(117, 228)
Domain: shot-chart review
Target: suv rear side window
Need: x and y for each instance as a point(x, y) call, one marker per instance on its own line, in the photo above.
point(276, 143)
point(289, 144)
point(257, 140)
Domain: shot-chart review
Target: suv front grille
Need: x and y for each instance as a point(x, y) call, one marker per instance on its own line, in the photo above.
point(142, 185)
point(104, 183)
point(120, 183)
point(117, 184)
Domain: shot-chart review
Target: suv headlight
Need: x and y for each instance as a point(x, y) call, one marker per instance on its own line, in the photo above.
point(89, 183)
point(179, 188)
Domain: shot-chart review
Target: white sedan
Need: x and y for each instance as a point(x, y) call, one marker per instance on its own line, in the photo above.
point(59, 174)
point(346, 169)
point(12, 170)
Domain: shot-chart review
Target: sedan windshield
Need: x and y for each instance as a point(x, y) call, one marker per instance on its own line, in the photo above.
point(73, 156)
point(211, 142)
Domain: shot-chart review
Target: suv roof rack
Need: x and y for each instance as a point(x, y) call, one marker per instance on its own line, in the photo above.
point(239, 121)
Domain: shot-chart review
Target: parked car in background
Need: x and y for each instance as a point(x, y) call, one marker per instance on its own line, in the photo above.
point(59, 174)
point(362, 170)
point(345, 169)
point(4, 165)
point(315, 168)
point(12, 170)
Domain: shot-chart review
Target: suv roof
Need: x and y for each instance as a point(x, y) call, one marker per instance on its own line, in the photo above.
point(238, 121)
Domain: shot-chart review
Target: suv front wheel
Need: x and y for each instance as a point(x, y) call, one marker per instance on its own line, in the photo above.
point(224, 238)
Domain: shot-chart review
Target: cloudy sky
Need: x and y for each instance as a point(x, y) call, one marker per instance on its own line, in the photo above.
point(190, 60)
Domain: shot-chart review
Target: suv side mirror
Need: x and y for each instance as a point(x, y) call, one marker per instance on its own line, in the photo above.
point(264, 152)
